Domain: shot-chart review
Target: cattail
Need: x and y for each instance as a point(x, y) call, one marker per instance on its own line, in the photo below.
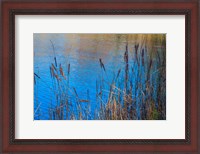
point(149, 69)
point(101, 64)
point(54, 67)
point(100, 93)
point(131, 85)
point(126, 68)
point(57, 77)
point(136, 53)
point(68, 69)
point(136, 47)
point(55, 61)
point(142, 56)
point(126, 55)
point(150, 64)
point(143, 53)
point(61, 71)
point(50, 71)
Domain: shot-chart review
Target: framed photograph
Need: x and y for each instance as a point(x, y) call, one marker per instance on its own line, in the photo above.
point(100, 76)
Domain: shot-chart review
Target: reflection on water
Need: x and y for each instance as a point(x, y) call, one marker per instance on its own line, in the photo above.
point(80, 86)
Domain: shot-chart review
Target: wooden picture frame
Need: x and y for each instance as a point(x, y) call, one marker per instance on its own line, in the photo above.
point(189, 9)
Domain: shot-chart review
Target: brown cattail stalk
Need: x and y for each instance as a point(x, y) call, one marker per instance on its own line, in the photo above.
point(126, 68)
point(68, 69)
point(61, 71)
point(136, 53)
point(143, 57)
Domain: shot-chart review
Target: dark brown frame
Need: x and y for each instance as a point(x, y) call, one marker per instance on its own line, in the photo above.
point(11, 8)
